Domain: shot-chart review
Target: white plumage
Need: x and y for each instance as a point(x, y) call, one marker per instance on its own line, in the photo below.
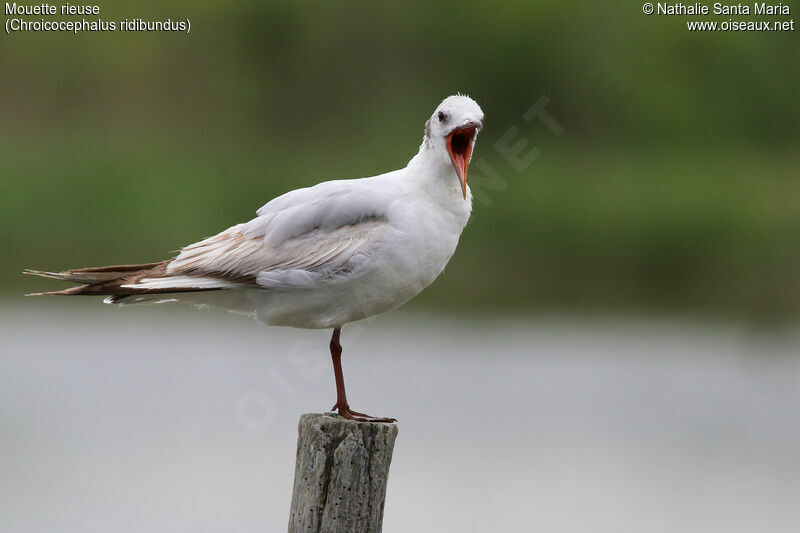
point(340, 251)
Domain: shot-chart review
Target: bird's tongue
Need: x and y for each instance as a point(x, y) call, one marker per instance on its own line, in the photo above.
point(460, 147)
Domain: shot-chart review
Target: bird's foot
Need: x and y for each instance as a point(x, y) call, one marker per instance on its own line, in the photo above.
point(349, 414)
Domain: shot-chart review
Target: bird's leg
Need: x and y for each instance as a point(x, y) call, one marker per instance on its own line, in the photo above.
point(341, 396)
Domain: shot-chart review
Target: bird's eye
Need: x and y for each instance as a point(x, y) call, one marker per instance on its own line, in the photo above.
point(442, 116)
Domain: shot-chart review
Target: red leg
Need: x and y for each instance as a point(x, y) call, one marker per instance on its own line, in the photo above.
point(341, 396)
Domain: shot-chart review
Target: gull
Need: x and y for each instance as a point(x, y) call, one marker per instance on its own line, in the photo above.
point(322, 256)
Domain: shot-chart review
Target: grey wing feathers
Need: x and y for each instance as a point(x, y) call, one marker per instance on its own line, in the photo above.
point(292, 241)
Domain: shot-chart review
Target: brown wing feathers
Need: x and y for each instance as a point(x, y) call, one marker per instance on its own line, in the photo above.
point(107, 280)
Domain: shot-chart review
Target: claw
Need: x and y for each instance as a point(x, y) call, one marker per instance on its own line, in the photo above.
point(349, 414)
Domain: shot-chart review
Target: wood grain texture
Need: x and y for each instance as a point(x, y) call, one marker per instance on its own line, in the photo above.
point(341, 474)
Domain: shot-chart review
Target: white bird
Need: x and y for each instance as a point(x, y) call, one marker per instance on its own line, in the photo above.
point(323, 256)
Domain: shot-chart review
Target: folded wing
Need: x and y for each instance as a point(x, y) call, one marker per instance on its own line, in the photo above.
point(302, 239)
point(305, 238)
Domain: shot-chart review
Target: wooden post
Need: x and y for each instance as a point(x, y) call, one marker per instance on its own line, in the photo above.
point(341, 474)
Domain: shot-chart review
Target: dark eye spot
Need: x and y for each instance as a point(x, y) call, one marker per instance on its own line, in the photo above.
point(442, 116)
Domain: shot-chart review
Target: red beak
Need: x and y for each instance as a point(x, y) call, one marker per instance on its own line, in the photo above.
point(459, 144)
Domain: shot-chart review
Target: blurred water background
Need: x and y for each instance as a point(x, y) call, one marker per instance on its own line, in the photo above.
point(614, 346)
point(154, 419)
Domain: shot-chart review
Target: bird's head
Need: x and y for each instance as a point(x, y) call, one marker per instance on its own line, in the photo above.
point(452, 130)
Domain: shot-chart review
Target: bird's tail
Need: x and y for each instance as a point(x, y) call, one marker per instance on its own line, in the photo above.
point(107, 280)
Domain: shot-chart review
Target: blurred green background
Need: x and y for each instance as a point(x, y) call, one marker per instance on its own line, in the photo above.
point(673, 188)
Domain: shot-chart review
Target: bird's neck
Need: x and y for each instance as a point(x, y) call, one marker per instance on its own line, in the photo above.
point(434, 171)
point(431, 162)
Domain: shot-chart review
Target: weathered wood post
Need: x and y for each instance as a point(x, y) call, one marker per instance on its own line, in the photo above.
point(341, 474)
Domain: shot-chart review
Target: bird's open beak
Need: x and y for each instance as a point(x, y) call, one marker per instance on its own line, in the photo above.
point(459, 144)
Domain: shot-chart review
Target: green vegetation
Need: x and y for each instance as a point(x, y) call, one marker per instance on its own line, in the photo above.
point(673, 187)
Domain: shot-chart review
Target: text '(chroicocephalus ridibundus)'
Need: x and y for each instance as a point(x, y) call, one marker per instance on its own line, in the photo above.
point(322, 256)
